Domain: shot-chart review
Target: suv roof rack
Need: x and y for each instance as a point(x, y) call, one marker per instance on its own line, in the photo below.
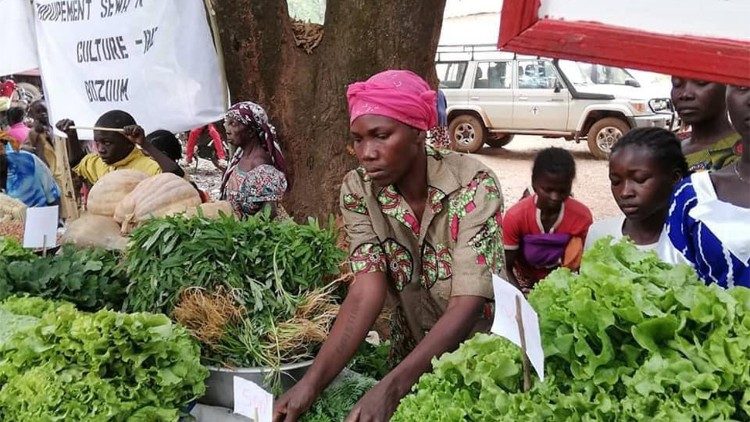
point(465, 50)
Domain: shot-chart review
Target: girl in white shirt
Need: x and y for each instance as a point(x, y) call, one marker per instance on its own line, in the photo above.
point(644, 167)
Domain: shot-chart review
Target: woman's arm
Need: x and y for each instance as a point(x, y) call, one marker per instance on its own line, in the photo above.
point(361, 307)
point(451, 329)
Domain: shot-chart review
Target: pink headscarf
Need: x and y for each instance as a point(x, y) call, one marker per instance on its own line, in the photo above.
point(398, 94)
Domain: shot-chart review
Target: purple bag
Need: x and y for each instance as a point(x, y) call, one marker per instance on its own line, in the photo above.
point(544, 250)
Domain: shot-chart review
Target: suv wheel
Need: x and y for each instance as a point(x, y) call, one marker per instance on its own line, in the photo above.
point(604, 134)
point(467, 133)
point(499, 140)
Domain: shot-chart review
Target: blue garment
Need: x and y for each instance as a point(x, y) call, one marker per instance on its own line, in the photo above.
point(29, 180)
point(442, 107)
point(711, 235)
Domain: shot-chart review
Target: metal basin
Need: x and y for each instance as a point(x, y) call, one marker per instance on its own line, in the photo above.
point(220, 382)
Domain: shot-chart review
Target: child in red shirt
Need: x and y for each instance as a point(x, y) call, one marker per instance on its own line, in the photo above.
point(545, 230)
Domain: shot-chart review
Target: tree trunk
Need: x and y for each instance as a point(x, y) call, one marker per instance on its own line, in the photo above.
point(305, 94)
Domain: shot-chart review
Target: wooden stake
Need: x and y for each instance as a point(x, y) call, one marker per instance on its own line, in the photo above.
point(44, 245)
point(526, 363)
point(103, 129)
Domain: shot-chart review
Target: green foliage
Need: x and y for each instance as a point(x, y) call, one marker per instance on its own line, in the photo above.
point(372, 360)
point(105, 366)
point(268, 266)
point(270, 262)
point(90, 278)
point(338, 400)
point(630, 338)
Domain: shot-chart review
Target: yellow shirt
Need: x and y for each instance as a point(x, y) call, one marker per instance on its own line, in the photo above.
point(92, 167)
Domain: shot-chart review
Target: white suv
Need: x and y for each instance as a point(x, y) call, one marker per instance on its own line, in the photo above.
point(494, 95)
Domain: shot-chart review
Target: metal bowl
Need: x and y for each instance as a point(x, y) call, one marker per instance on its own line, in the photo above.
point(220, 382)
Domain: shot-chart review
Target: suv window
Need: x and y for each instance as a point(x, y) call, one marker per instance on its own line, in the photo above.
point(536, 74)
point(451, 74)
point(496, 75)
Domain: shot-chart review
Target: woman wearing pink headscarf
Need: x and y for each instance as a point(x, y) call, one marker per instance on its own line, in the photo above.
point(423, 228)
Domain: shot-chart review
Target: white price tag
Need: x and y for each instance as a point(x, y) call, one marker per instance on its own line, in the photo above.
point(41, 225)
point(506, 325)
point(252, 401)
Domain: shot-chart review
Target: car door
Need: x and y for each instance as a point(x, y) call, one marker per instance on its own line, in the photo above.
point(537, 103)
point(492, 91)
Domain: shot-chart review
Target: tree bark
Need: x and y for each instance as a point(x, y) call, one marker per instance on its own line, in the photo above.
point(305, 95)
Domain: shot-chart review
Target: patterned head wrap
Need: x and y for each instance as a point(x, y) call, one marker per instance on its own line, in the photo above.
point(256, 119)
point(399, 94)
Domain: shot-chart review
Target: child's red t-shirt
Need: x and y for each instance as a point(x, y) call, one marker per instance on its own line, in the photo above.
point(524, 219)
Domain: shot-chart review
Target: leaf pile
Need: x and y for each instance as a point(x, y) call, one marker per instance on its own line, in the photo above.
point(629, 339)
point(338, 400)
point(105, 366)
point(276, 271)
point(90, 278)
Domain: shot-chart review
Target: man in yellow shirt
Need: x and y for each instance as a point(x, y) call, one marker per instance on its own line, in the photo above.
point(116, 150)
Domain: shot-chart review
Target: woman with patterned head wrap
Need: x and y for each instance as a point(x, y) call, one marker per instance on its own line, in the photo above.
point(423, 229)
point(256, 175)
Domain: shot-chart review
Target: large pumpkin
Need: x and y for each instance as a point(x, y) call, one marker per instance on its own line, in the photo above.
point(211, 210)
point(111, 189)
point(95, 231)
point(157, 196)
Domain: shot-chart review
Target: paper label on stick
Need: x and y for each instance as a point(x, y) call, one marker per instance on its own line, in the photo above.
point(41, 225)
point(252, 401)
point(506, 325)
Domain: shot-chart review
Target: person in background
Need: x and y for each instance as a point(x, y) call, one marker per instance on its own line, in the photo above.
point(256, 175)
point(545, 230)
point(195, 134)
point(17, 129)
point(423, 229)
point(25, 177)
point(117, 150)
point(708, 219)
point(712, 140)
point(439, 137)
point(166, 142)
point(40, 136)
point(644, 167)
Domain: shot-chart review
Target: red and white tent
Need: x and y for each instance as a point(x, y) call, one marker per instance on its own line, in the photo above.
point(698, 39)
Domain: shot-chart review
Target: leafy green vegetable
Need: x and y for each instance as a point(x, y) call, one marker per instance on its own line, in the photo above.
point(91, 278)
point(270, 262)
point(338, 400)
point(103, 366)
point(268, 266)
point(630, 338)
point(372, 360)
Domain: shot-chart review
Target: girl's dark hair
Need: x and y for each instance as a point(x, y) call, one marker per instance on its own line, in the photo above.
point(663, 144)
point(555, 161)
point(15, 115)
point(166, 142)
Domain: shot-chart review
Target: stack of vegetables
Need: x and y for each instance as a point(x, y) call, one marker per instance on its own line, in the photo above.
point(123, 199)
point(90, 278)
point(628, 339)
point(58, 363)
point(256, 292)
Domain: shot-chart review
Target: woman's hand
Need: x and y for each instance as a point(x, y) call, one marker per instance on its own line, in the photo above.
point(378, 404)
point(295, 402)
point(135, 134)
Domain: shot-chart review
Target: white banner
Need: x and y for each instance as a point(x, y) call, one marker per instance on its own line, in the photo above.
point(19, 47)
point(154, 59)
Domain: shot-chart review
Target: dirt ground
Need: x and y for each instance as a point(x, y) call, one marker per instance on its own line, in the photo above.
point(512, 165)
